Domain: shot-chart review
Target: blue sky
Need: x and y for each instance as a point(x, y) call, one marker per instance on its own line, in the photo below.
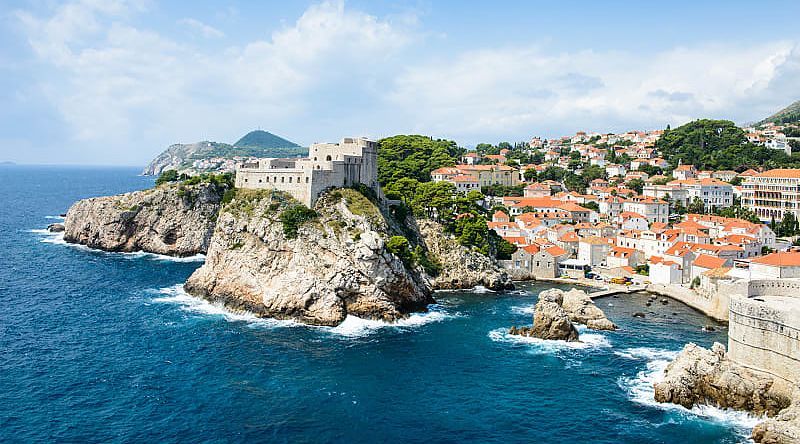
point(115, 82)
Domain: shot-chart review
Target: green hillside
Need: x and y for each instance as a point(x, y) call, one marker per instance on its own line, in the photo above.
point(790, 114)
point(717, 145)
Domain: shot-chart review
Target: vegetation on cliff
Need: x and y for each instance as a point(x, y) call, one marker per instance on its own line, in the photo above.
point(413, 157)
point(790, 114)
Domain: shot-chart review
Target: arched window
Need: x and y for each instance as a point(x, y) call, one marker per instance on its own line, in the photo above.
point(282, 179)
point(290, 180)
point(306, 179)
point(315, 159)
point(328, 157)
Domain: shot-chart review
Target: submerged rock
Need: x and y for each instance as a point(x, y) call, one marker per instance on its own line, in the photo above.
point(702, 376)
point(461, 267)
point(55, 228)
point(316, 269)
point(171, 219)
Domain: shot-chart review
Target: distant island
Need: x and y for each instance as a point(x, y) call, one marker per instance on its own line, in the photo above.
point(7, 163)
point(207, 156)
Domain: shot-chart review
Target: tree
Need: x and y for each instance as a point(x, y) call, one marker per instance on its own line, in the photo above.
point(696, 206)
point(404, 189)
point(736, 181)
point(398, 246)
point(592, 205)
point(788, 226)
point(167, 176)
point(636, 185)
point(530, 175)
point(414, 157)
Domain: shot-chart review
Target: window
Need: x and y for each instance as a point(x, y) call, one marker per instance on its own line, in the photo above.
point(282, 178)
point(328, 157)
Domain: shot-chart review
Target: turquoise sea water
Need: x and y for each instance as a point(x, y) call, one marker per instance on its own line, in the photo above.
point(103, 347)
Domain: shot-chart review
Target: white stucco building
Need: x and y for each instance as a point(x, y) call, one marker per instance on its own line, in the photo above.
point(343, 164)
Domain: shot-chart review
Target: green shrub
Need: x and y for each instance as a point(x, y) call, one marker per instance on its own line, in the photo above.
point(293, 217)
point(430, 265)
point(228, 196)
point(398, 246)
point(167, 176)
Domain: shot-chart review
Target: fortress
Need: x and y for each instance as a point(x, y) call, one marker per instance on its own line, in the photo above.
point(328, 165)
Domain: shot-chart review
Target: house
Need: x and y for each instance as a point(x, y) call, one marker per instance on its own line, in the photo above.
point(470, 158)
point(664, 272)
point(615, 169)
point(704, 262)
point(593, 250)
point(500, 216)
point(623, 257)
point(683, 172)
point(655, 210)
point(776, 266)
point(629, 220)
point(536, 190)
point(464, 183)
point(535, 262)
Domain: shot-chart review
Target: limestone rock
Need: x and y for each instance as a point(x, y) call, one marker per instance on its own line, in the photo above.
point(461, 268)
point(171, 219)
point(702, 376)
point(55, 228)
point(335, 266)
point(582, 310)
point(550, 320)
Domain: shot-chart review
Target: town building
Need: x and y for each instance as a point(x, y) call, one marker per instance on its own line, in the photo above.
point(347, 163)
point(772, 194)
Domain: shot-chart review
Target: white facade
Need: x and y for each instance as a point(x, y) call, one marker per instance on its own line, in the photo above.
point(352, 161)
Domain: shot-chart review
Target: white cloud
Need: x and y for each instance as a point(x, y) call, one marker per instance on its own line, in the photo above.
point(528, 90)
point(337, 71)
point(114, 81)
point(205, 30)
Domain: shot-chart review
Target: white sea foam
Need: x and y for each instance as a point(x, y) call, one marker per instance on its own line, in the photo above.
point(640, 390)
point(58, 239)
point(523, 309)
point(482, 289)
point(351, 327)
point(54, 217)
point(178, 296)
point(587, 341)
point(355, 327)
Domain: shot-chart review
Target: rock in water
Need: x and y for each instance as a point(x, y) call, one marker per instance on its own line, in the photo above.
point(55, 228)
point(461, 267)
point(700, 376)
point(550, 321)
point(316, 270)
point(171, 219)
point(581, 309)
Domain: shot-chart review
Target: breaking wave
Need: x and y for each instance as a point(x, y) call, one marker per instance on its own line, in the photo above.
point(58, 239)
point(587, 341)
point(351, 327)
point(640, 390)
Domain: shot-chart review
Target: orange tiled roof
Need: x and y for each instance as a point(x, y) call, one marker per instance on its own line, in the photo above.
point(781, 259)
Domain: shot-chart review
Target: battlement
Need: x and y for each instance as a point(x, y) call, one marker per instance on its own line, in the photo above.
point(328, 165)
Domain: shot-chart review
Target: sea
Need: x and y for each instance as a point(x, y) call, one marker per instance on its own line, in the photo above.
point(107, 347)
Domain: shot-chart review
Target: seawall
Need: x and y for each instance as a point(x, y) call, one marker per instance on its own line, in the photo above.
point(712, 304)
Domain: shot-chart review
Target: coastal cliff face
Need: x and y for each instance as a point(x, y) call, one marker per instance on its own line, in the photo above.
point(171, 219)
point(700, 376)
point(461, 268)
point(334, 264)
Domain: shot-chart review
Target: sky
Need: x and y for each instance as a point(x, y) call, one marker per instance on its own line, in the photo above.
point(114, 82)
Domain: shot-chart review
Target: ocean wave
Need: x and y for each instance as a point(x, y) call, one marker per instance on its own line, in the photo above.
point(58, 239)
point(178, 296)
point(481, 289)
point(523, 309)
point(641, 391)
point(54, 217)
point(587, 341)
point(351, 327)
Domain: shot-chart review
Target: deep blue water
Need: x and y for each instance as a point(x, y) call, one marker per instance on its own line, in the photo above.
point(99, 347)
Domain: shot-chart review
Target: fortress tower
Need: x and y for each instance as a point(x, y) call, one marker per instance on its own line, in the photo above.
point(328, 165)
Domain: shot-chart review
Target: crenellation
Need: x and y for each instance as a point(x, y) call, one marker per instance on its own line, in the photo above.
point(328, 165)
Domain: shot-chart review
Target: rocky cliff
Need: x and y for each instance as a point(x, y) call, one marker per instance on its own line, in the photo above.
point(581, 309)
point(314, 267)
point(171, 219)
point(702, 376)
point(461, 267)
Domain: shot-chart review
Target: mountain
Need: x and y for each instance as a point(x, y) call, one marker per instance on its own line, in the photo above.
point(790, 114)
point(264, 139)
point(200, 157)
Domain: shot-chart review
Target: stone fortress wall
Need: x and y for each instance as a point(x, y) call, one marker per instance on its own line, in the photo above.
point(343, 164)
point(764, 327)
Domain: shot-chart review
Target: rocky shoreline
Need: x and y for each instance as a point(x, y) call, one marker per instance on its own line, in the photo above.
point(702, 376)
point(331, 265)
